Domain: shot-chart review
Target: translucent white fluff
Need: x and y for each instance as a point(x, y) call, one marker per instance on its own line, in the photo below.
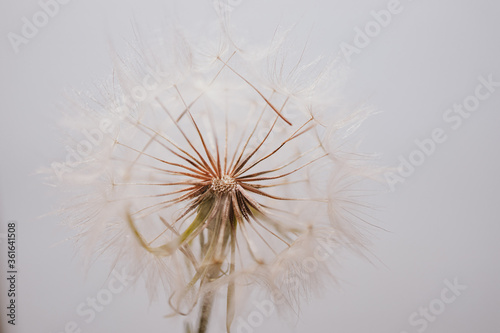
point(205, 168)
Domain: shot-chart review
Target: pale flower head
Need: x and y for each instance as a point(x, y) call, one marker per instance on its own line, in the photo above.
point(211, 168)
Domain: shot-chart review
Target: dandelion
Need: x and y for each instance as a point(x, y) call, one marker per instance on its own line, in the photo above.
point(219, 168)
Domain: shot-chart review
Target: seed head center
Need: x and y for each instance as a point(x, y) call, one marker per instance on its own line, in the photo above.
point(223, 185)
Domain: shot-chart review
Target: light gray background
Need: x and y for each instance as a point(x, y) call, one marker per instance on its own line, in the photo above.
point(443, 222)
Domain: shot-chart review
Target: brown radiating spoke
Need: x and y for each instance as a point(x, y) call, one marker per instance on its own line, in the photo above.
point(246, 143)
point(220, 171)
point(245, 161)
point(296, 134)
point(205, 164)
point(282, 166)
point(237, 167)
point(157, 195)
point(252, 179)
point(264, 194)
point(207, 152)
point(191, 160)
point(279, 184)
point(258, 92)
point(184, 197)
point(191, 182)
point(198, 175)
point(183, 113)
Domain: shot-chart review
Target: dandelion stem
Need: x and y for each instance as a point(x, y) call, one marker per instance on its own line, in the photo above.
point(206, 311)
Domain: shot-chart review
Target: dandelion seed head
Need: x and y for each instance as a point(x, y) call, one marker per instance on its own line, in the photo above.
point(215, 177)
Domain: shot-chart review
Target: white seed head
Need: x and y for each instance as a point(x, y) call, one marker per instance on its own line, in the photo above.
point(217, 175)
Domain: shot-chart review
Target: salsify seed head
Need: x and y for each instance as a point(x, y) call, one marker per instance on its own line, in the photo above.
point(206, 169)
point(223, 185)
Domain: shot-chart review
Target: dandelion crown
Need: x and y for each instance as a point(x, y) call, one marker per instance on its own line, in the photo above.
point(214, 169)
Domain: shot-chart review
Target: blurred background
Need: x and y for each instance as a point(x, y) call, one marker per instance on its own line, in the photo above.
point(417, 62)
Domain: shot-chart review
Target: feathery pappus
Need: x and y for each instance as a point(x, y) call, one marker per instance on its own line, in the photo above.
point(207, 167)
